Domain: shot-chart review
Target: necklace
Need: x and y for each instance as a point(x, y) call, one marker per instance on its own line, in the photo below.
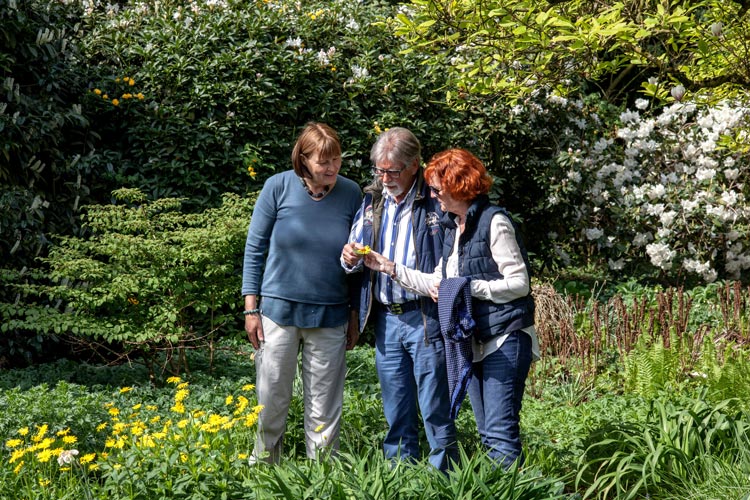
point(315, 196)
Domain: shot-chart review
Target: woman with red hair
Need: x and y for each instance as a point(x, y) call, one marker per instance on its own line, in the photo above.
point(492, 329)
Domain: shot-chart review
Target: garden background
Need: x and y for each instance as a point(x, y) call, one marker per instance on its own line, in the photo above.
point(134, 136)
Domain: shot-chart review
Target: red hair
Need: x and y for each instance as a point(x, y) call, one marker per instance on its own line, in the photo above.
point(461, 174)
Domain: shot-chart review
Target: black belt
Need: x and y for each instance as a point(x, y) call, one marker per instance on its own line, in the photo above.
point(400, 308)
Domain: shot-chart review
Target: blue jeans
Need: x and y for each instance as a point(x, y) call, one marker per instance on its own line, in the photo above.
point(409, 372)
point(496, 390)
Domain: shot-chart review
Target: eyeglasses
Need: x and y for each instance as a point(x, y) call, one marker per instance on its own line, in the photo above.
point(379, 172)
point(436, 190)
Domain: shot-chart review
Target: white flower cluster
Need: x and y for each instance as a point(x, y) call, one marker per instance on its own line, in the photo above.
point(670, 190)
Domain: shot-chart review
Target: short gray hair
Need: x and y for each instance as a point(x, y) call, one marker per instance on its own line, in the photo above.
point(397, 145)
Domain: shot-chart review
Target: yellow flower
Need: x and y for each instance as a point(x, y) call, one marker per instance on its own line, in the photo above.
point(182, 423)
point(363, 251)
point(44, 482)
point(248, 387)
point(44, 455)
point(105, 96)
point(16, 455)
point(117, 80)
point(183, 385)
point(115, 102)
point(242, 456)
point(97, 92)
point(63, 432)
point(41, 431)
point(174, 380)
point(181, 395)
point(124, 78)
point(89, 457)
point(228, 400)
point(152, 407)
point(178, 408)
point(23, 431)
point(155, 419)
point(140, 96)
point(137, 407)
point(125, 389)
point(131, 82)
point(101, 427)
point(18, 467)
point(13, 443)
point(333, 68)
point(127, 96)
point(93, 466)
point(183, 457)
point(251, 172)
point(114, 412)
point(70, 439)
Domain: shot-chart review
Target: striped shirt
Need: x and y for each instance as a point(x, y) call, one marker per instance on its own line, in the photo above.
point(396, 242)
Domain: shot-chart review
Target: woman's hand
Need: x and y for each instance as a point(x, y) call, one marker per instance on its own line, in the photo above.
point(377, 262)
point(254, 329)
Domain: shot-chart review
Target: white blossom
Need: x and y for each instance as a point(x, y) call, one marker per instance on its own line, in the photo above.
point(594, 233)
point(661, 255)
point(66, 457)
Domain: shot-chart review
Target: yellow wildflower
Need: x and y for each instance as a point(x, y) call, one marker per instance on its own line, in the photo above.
point(41, 431)
point(333, 68)
point(101, 427)
point(251, 172)
point(23, 431)
point(63, 432)
point(140, 96)
point(97, 92)
point(178, 408)
point(155, 419)
point(89, 457)
point(44, 455)
point(18, 467)
point(183, 457)
point(13, 443)
point(125, 389)
point(242, 456)
point(248, 387)
point(105, 96)
point(114, 412)
point(16, 455)
point(152, 407)
point(131, 82)
point(115, 102)
point(181, 395)
point(229, 400)
point(93, 466)
point(44, 482)
point(363, 251)
point(183, 385)
point(70, 439)
point(182, 423)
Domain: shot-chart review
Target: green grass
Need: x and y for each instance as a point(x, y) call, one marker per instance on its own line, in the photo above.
point(580, 439)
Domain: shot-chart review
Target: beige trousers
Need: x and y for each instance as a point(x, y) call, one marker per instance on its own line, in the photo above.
point(323, 371)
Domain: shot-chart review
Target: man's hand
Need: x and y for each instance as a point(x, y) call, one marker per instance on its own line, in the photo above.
point(350, 254)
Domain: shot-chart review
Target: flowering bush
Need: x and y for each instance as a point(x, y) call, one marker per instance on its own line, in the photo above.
point(665, 193)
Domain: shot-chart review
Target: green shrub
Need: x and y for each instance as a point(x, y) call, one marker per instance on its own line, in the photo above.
point(146, 278)
point(225, 82)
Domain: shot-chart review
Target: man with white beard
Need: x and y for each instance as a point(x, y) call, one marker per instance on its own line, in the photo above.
point(399, 219)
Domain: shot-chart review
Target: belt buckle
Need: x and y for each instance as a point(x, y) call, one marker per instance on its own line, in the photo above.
point(396, 309)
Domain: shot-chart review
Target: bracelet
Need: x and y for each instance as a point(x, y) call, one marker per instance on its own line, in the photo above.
point(251, 312)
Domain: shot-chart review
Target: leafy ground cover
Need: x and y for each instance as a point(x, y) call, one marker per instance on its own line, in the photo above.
point(73, 430)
